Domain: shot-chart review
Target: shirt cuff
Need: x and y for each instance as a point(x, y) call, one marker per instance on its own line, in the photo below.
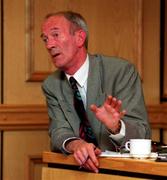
point(120, 135)
point(64, 143)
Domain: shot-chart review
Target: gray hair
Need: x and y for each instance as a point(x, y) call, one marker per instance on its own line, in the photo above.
point(77, 22)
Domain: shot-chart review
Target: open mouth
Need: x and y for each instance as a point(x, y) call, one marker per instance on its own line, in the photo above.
point(55, 55)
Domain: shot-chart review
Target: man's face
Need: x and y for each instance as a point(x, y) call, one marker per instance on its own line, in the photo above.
point(60, 43)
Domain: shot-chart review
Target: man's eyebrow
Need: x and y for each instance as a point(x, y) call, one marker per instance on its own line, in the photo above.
point(43, 35)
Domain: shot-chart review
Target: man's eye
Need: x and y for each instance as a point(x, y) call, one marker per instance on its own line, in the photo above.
point(55, 34)
point(45, 39)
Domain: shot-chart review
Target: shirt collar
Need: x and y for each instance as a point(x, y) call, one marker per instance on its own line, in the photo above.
point(82, 74)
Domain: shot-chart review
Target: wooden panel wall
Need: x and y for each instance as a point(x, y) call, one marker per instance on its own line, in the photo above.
point(108, 30)
point(22, 154)
point(1, 49)
point(1, 79)
point(164, 95)
point(123, 28)
point(115, 29)
point(16, 89)
point(151, 50)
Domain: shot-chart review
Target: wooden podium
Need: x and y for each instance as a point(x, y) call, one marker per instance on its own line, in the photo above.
point(61, 167)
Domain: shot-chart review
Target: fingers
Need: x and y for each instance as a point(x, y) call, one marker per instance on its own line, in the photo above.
point(81, 156)
point(92, 162)
point(115, 112)
point(93, 157)
point(97, 151)
point(110, 102)
point(118, 105)
point(122, 113)
point(91, 166)
point(113, 102)
point(94, 108)
point(86, 156)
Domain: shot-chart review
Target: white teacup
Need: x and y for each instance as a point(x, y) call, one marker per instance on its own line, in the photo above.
point(139, 148)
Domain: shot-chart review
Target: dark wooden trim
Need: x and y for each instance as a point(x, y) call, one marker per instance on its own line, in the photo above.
point(1, 155)
point(163, 52)
point(37, 76)
point(18, 117)
point(23, 117)
point(158, 115)
point(32, 161)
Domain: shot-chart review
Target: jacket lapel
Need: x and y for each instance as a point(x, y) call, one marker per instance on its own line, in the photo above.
point(94, 93)
point(66, 104)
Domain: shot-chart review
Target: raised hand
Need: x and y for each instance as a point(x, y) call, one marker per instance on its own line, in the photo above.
point(109, 113)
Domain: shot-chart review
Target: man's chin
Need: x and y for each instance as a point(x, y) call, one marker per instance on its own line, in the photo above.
point(58, 65)
point(56, 62)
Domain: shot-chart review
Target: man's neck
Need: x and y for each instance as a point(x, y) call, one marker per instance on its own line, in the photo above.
point(80, 59)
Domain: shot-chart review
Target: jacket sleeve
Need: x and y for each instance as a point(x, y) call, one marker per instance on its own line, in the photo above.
point(128, 88)
point(59, 127)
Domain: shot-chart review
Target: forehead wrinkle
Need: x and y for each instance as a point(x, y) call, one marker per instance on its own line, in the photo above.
point(56, 20)
point(50, 30)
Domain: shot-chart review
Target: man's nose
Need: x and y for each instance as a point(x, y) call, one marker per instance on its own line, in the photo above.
point(50, 43)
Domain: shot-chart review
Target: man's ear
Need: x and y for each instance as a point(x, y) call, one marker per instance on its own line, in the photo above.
point(80, 38)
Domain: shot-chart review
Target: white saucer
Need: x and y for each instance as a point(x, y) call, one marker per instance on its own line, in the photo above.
point(127, 155)
point(144, 156)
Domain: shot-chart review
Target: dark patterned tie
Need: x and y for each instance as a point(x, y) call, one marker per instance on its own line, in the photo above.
point(85, 130)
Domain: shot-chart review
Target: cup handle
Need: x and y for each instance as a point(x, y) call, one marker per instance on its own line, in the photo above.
point(127, 144)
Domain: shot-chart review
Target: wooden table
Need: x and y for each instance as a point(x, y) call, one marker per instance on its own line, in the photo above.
point(120, 168)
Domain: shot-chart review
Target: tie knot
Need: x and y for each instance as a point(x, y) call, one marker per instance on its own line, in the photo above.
point(73, 82)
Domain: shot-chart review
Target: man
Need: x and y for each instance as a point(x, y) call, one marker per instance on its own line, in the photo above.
point(106, 85)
